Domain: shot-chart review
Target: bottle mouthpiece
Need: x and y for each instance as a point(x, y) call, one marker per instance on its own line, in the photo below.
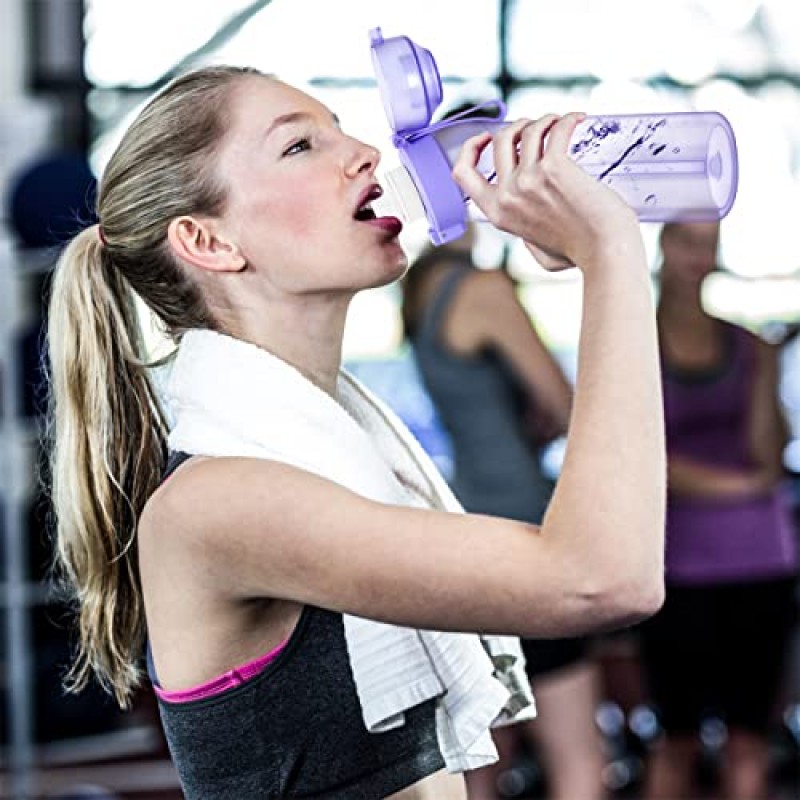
point(400, 197)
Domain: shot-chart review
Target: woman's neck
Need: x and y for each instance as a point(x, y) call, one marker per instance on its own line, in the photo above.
point(305, 334)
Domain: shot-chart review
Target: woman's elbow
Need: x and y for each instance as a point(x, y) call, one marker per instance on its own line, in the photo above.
point(648, 597)
point(623, 595)
point(634, 581)
point(637, 600)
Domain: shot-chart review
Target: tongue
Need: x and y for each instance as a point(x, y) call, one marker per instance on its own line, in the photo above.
point(391, 225)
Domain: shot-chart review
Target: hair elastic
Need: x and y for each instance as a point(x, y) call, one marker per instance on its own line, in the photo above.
point(101, 235)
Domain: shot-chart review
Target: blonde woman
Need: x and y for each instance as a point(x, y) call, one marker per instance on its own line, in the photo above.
point(284, 553)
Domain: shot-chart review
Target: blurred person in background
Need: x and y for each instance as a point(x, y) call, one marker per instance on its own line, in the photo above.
point(719, 645)
point(502, 396)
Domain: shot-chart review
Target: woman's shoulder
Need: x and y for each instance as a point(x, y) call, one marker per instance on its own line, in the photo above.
point(497, 279)
point(748, 339)
point(191, 482)
point(239, 524)
point(734, 328)
point(173, 494)
point(443, 282)
point(492, 288)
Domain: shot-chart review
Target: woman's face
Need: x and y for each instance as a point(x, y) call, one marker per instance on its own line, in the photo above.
point(689, 250)
point(295, 186)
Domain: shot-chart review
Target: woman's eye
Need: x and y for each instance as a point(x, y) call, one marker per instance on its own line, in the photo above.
point(298, 147)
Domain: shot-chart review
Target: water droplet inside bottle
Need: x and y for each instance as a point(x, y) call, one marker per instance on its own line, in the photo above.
point(650, 200)
point(676, 149)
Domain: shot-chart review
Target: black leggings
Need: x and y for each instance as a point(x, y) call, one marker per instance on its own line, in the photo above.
point(719, 650)
point(543, 656)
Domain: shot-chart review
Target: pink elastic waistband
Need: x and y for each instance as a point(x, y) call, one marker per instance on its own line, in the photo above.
point(228, 680)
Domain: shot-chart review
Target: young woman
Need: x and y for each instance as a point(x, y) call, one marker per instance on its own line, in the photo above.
point(257, 574)
point(500, 393)
point(719, 646)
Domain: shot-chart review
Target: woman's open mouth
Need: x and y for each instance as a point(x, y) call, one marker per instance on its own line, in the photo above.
point(365, 213)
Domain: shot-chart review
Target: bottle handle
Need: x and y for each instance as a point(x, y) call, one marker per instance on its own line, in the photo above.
point(447, 123)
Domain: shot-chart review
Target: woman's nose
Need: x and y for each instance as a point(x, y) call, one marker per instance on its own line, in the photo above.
point(361, 158)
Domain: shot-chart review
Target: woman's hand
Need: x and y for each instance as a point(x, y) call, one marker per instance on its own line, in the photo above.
point(564, 215)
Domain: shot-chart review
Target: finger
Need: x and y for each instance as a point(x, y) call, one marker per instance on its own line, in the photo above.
point(561, 133)
point(530, 139)
point(504, 144)
point(465, 172)
point(532, 145)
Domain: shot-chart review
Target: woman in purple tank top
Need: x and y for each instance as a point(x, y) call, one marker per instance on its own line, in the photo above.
point(718, 647)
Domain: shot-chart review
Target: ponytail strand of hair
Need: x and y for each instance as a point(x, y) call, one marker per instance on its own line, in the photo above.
point(109, 448)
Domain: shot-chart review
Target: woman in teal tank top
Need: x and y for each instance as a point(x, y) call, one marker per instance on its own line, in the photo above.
point(501, 395)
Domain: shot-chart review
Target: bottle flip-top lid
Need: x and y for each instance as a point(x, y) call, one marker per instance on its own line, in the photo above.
point(411, 91)
point(408, 81)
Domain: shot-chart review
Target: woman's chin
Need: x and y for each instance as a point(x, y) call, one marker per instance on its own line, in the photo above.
point(393, 269)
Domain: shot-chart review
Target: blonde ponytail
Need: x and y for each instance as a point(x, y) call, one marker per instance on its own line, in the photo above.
point(108, 430)
point(108, 454)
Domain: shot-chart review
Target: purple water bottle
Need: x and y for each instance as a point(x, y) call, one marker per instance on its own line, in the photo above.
point(667, 167)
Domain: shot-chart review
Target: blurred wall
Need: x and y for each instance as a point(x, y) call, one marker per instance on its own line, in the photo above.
point(13, 48)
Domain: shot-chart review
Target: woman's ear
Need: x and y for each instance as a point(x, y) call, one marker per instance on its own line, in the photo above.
point(200, 242)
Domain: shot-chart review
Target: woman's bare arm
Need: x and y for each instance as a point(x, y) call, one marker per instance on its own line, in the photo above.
point(257, 528)
point(769, 431)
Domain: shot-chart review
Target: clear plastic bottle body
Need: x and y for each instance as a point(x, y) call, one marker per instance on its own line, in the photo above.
point(671, 166)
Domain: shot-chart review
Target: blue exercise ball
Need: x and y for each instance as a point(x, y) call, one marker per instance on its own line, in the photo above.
point(52, 199)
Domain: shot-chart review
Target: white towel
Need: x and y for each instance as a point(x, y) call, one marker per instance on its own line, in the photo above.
point(226, 397)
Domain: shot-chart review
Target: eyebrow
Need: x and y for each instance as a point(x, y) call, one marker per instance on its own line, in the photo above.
point(293, 116)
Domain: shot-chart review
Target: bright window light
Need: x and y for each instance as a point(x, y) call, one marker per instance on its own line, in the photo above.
point(135, 42)
point(598, 58)
point(759, 235)
point(295, 39)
